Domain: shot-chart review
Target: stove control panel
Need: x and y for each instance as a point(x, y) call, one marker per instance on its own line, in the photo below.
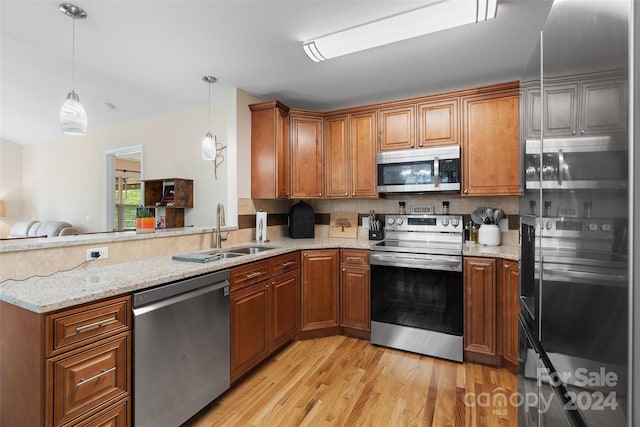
point(427, 223)
point(577, 228)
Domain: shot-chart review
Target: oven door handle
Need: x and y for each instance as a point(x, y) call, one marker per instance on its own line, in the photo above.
point(414, 261)
point(436, 172)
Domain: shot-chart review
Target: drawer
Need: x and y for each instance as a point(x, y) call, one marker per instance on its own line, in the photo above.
point(357, 257)
point(89, 379)
point(115, 415)
point(249, 274)
point(73, 328)
point(284, 263)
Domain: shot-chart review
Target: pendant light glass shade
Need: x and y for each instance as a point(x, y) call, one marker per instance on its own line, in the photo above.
point(209, 147)
point(73, 117)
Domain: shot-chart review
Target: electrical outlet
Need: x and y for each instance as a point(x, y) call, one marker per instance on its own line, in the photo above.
point(97, 253)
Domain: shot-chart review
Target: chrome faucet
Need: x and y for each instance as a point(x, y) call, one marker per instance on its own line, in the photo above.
point(219, 222)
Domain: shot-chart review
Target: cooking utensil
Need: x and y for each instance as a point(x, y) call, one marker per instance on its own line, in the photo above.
point(497, 216)
point(489, 213)
point(476, 218)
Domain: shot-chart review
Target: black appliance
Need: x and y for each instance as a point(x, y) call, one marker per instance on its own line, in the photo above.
point(416, 285)
point(302, 221)
point(574, 262)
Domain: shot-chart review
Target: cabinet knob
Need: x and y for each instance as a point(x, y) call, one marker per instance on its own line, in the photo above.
point(582, 132)
point(346, 194)
point(466, 191)
point(573, 132)
point(353, 194)
point(421, 144)
point(320, 194)
point(306, 254)
point(344, 269)
point(413, 145)
point(506, 266)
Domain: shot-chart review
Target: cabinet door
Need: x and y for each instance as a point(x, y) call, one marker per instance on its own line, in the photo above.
point(480, 342)
point(354, 293)
point(319, 289)
point(88, 378)
point(284, 294)
point(533, 113)
point(249, 328)
point(510, 309)
point(397, 128)
point(561, 109)
point(269, 151)
point(490, 148)
point(306, 156)
point(362, 139)
point(336, 156)
point(438, 123)
point(604, 107)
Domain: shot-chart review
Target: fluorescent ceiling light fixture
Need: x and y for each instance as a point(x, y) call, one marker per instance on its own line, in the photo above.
point(435, 17)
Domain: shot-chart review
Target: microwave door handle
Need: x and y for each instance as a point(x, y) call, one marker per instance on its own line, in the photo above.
point(436, 172)
point(560, 165)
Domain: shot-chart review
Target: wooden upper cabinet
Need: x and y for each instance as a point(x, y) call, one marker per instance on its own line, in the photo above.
point(604, 106)
point(270, 151)
point(306, 155)
point(561, 110)
point(397, 127)
point(438, 123)
point(350, 155)
point(490, 144)
point(363, 154)
point(336, 156)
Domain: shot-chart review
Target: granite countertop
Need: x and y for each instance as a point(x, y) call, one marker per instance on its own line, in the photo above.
point(92, 282)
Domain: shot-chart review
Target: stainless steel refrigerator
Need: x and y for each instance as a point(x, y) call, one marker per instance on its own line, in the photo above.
point(575, 292)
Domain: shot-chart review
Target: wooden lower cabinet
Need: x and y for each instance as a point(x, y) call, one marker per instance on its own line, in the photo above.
point(491, 309)
point(264, 315)
point(509, 309)
point(284, 294)
point(66, 368)
point(354, 291)
point(480, 341)
point(320, 293)
point(249, 328)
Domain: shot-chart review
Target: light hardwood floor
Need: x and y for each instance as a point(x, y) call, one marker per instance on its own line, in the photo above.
point(341, 381)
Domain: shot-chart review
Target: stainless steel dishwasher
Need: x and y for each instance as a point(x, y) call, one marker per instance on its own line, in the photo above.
point(181, 348)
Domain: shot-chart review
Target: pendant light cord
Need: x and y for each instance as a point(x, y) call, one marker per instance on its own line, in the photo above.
point(73, 56)
point(209, 107)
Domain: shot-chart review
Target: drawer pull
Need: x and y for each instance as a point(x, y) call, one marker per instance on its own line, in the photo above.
point(355, 258)
point(287, 264)
point(252, 275)
point(95, 377)
point(95, 325)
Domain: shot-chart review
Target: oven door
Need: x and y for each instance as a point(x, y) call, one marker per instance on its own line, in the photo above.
point(418, 310)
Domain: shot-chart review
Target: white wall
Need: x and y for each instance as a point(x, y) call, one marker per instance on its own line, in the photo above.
point(64, 180)
point(10, 184)
point(244, 144)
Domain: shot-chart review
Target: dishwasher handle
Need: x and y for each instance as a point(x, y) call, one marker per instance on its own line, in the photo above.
point(182, 297)
point(163, 292)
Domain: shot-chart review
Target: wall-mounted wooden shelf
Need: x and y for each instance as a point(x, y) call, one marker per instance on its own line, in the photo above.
point(171, 194)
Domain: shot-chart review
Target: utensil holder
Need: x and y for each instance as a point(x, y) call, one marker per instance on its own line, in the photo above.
point(489, 234)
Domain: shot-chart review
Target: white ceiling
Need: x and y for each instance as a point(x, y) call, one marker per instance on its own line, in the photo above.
point(148, 57)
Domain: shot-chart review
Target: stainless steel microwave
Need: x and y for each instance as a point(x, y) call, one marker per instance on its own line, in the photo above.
point(420, 170)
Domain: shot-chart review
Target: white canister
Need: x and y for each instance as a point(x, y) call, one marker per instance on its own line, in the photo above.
point(489, 234)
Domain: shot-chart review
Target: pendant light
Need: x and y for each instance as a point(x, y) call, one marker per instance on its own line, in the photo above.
point(211, 148)
point(73, 117)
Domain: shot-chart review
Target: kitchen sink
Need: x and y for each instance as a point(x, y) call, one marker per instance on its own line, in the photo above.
point(208, 256)
point(251, 249)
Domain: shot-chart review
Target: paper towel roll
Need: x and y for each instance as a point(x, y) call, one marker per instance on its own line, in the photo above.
point(261, 227)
